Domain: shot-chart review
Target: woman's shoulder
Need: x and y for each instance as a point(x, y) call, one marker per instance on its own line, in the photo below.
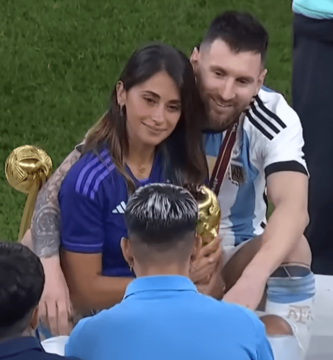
point(88, 173)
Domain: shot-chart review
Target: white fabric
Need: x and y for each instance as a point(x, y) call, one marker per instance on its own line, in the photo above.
point(284, 347)
point(300, 316)
point(55, 345)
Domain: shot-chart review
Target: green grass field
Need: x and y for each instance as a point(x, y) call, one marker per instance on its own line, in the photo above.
point(59, 60)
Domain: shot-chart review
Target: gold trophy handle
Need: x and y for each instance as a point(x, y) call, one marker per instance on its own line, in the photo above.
point(27, 168)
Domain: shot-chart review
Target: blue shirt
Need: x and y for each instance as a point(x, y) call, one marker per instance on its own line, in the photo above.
point(92, 200)
point(165, 318)
point(316, 9)
point(26, 348)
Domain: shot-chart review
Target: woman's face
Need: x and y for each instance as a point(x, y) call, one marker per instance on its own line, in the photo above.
point(153, 109)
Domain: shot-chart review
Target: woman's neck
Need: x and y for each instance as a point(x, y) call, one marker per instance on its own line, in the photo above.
point(140, 159)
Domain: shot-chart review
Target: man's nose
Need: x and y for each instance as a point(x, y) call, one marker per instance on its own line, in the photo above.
point(227, 93)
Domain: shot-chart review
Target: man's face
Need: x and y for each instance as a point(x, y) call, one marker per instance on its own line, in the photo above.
point(227, 81)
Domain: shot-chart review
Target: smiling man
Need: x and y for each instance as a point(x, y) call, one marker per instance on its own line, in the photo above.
point(254, 147)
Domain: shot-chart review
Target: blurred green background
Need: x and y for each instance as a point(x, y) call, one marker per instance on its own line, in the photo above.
point(59, 60)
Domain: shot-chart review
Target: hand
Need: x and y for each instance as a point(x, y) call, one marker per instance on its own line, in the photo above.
point(203, 267)
point(247, 292)
point(215, 286)
point(55, 309)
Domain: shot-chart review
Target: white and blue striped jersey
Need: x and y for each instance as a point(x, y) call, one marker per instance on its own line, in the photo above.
point(269, 139)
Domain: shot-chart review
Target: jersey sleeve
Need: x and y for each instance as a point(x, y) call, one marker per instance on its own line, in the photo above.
point(284, 152)
point(81, 224)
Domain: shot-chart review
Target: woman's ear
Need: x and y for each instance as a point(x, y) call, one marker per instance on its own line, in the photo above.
point(121, 94)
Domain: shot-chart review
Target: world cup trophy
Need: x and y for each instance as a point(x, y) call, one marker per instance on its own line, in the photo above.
point(209, 212)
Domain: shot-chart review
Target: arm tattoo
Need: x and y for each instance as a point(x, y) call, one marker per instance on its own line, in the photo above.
point(46, 217)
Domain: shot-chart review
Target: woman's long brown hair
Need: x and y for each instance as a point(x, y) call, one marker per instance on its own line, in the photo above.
point(182, 152)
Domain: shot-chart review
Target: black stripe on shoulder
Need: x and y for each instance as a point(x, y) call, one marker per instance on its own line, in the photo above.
point(292, 165)
point(266, 121)
point(270, 113)
point(258, 126)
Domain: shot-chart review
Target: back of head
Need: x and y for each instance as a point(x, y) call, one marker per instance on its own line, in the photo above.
point(161, 218)
point(240, 30)
point(21, 286)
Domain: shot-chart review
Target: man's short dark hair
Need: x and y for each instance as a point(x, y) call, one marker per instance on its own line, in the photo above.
point(21, 286)
point(161, 215)
point(240, 30)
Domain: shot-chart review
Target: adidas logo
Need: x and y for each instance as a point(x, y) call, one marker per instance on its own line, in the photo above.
point(120, 209)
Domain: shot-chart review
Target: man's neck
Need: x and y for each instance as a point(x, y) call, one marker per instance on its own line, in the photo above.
point(172, 269)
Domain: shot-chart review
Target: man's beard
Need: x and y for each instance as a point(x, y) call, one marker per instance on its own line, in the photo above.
point(223, 124)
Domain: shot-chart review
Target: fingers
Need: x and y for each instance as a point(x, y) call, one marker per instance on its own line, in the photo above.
point(63, 318)
point(210, 248)
point(216, 256)
point(51, 317)
point(56, 316)
point(201, 269)
point(42, 311)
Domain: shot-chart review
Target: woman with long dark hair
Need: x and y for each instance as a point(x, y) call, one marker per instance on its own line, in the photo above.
point(151, 134)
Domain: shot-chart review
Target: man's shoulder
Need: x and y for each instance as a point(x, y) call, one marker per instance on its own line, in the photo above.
point(233, 312)
point(270, 115)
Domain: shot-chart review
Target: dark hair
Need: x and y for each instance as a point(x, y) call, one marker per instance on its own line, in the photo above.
point(21, 286)
point(183, 150)
point(240, 30)
point(161, 215)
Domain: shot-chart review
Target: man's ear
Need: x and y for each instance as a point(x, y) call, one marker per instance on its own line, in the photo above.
point(194, 59)
point(196, 247)
point(121, 93)
point(261, 80)
point(126, 250)
point(34, 318)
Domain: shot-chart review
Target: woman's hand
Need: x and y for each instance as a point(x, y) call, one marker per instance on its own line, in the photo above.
point(55, 309)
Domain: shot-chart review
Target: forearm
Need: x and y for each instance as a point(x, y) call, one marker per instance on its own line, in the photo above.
point(284, 229)
point(101, 293)
point(46, 217)
point(45, 227)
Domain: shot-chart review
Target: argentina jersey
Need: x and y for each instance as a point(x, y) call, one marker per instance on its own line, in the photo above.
point(92, 200)
point(269, 139)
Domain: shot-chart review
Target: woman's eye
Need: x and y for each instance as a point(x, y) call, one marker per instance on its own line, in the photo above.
point(174, 108)
point(149, 100)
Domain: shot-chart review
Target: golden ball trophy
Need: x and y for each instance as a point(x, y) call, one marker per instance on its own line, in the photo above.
point(27, 168)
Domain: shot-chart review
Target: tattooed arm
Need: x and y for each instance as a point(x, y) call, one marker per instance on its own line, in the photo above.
point(55, 308)
point(46, 217)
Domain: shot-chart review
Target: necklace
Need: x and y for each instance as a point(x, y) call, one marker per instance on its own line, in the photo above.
point(142, 169)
